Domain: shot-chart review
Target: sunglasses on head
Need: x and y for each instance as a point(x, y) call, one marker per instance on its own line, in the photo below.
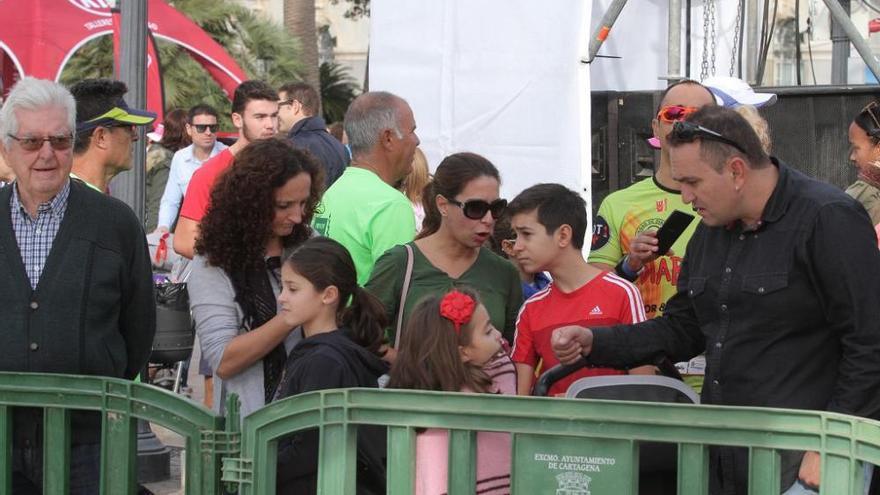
point(675, 113)
point(201, 128)
point(476, 209)
point(58, 143)
point(870, 108)
point(688, 132)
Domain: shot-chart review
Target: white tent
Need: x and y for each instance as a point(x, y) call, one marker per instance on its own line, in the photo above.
point(502, 78)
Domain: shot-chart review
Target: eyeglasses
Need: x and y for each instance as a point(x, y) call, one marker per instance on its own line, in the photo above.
point(286, 102)
point(201, 128)
point(58, 143)
point(869, 109)
point(688, 132)
point(130, 129)
point(675, 113)
point(475, 209)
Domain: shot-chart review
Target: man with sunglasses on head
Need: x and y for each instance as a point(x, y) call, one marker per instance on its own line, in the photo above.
point(202, 127)
point(299, 118)
point(255, 115)
point(76, 294)
point(363, 210)
point(105, 131)
point(785, 312)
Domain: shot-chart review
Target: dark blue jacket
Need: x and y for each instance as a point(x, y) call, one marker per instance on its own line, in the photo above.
point(311, 134)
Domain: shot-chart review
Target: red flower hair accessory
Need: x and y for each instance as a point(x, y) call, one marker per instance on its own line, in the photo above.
point(457, 307)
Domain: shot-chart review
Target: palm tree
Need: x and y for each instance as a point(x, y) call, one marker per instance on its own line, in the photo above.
point(299, 20)
point(338, 89)
point(262, 48)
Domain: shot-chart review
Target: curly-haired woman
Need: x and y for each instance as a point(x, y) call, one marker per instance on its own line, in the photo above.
point(260, 208)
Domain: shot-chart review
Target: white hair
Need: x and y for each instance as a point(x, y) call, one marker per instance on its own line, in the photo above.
point(31, 93)
point(370, 114)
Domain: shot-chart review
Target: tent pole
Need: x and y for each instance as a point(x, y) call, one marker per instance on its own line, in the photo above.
point(129, 186)
point(604, 28)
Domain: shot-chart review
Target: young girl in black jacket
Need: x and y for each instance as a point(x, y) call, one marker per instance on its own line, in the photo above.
point(343, 331)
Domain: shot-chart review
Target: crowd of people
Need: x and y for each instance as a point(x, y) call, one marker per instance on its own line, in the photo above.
point(314, 263)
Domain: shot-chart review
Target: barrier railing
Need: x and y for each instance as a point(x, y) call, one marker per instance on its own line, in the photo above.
point(121, 403)
point(559, 446)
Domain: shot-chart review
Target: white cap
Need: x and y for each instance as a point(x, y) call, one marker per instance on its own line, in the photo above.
point(157, 133)
point(731, 92)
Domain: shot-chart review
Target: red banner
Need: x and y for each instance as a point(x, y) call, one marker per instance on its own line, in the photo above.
point(39, 37)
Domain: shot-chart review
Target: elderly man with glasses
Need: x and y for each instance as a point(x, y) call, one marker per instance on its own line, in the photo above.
point(105, 131)
point(785, 312)
point(76, 291)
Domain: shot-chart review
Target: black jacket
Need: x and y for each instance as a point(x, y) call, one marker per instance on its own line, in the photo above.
point(311, 134)
point(786, 313)
point(327, 361)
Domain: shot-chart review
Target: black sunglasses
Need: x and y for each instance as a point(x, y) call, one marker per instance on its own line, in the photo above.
point(201, 128)
point(688, 132)
point(475, 209)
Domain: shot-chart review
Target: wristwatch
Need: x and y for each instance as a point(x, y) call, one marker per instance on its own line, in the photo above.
point(624, 271)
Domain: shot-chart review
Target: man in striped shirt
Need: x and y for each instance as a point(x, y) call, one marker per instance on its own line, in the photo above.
point(550, 222)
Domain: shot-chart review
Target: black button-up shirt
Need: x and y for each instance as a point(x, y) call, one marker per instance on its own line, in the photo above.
point(788, 314)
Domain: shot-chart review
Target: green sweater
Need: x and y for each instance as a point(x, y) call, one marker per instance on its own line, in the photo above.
point(93, 312)
point(493, 277)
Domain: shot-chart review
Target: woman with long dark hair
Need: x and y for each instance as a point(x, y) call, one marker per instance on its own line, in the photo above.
point(461, 206)
point(260, 208)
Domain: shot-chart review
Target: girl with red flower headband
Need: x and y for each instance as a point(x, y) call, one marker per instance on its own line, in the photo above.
point(446, 342)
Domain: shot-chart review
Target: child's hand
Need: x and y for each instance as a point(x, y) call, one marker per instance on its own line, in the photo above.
point(571, 342)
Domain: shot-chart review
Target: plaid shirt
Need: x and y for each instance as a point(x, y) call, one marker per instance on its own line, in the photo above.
point(35, 235)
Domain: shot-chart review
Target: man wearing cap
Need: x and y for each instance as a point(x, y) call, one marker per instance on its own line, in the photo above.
point(76, 291)
point(105, 131)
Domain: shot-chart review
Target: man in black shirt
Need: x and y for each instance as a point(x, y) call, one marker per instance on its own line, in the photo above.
point(779, 288)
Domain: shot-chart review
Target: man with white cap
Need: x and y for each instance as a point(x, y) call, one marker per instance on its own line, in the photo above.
point(105, 131)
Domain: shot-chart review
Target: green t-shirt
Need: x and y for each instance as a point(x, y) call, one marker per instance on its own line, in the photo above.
point(493, 277)
point(365, 215)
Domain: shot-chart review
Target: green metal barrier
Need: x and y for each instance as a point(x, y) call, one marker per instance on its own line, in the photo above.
point(558, 444)
point(121, 403)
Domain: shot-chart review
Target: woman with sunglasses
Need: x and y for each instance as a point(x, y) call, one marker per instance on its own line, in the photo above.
point(461, 206)
point(864, 152)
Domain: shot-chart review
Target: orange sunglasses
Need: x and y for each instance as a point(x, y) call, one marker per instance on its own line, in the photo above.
point(675, 113)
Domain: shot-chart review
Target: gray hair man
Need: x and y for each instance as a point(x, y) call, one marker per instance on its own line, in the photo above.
point(362, 210)
point(59, 238)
